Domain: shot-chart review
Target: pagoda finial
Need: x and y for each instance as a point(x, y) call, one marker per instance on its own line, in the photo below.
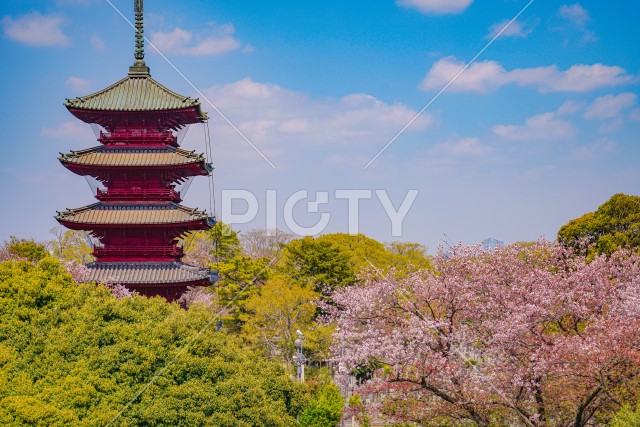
point(139, 67)
point(139, 8)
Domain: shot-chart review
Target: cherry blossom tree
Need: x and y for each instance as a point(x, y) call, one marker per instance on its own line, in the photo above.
point(529, 335)
point(197, 295)
point(81, 274)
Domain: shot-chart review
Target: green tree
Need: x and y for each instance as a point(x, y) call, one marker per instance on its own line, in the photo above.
point(71, 246)
point(316, 264)
point(23, 248)
point(240, 276)
point(357, 409)
point(408, 256)
point(325, 408)
point(219, 244)
point(626, 417)
point(272, 317)
point(363, 252)
point(615, 224)
point(74, 355)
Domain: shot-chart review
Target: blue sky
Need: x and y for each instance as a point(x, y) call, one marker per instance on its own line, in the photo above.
point(542, 128)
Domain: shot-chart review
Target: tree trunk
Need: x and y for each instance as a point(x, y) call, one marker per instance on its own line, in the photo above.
point(580, 421)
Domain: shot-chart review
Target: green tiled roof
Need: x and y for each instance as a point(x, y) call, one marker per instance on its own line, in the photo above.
point(130, 273)
point(136, 92)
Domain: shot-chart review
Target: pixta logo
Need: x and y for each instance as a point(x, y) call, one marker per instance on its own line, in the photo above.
point(300, 203)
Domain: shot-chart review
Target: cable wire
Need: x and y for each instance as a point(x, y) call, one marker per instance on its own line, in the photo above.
point(209, 156)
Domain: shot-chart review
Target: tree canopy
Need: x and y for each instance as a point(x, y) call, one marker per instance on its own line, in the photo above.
point(615, 224)
point(530, 335)
point(325, 408)
point(75, 355)
point(27, 249)
point(317, 264)
point(71, 246)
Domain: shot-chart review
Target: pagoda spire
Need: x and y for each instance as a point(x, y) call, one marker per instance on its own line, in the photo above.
point(139, 67)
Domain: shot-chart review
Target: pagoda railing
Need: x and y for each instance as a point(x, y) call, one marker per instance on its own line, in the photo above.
point(143, 194)
point(142, 251)
point(137, 137)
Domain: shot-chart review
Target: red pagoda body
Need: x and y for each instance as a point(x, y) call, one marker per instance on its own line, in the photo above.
point(138, 219)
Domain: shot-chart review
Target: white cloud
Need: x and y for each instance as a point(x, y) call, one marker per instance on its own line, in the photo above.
point(35, 29)
point(611, 126)
point(485, 76)
point(542, 127)
point(218, 40)
point(515, 29)
point(610, 106)
point(97, 43)
point(436, 7)
point(578, 17)
point(286, 123)
point(466, 147)
point(479, 77)
point(569, 107)
point(574, 13)
point(74, 129)
point(77, 84)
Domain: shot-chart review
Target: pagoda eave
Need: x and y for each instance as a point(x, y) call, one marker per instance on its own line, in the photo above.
point(104, 172)
point(171, 292)
point(179, 227)
point(203, 283)
point(167, 279)
point(163, 119)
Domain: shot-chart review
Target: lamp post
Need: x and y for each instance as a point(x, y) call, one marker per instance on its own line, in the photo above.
point(299, 359)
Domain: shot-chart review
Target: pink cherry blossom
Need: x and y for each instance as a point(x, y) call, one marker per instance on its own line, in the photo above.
point(533, 335)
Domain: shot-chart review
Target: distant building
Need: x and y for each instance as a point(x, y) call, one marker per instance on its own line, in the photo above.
point(491, 244)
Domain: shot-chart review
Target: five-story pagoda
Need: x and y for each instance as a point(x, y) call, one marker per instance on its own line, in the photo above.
point(138, 218)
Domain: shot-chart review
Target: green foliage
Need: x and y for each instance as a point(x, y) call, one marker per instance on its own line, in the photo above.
point(24, 248)
point(240, 276)
point(357, 408)
point(626, 417)
point(71, 246)
point(219, 244)
point(316, 264)
point(74, 355)
point(325, 408)
point(335, 260)
point(615, 224)
point(224, 241)
point(407, 257)
point(363, 252)
point(270, 320)
point(267, 299)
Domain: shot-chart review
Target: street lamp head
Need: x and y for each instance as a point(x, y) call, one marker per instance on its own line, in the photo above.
point(298, 342)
